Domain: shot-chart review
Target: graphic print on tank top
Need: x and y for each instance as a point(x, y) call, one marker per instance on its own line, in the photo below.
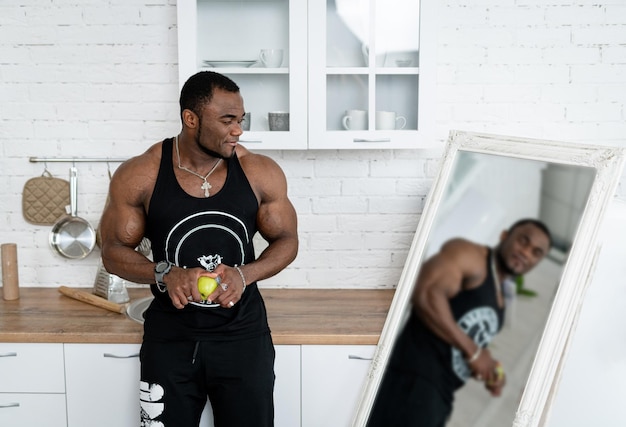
point(193, 231)
point(481, 325)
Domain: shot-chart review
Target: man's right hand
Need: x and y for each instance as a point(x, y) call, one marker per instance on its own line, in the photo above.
point(484, 366)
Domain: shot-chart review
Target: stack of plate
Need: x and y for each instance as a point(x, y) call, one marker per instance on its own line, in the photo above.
point(223, 64)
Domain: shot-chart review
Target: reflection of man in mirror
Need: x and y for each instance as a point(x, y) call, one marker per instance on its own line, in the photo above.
point(458, 307)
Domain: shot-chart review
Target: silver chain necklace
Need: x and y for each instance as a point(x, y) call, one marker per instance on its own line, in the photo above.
point(205, 185)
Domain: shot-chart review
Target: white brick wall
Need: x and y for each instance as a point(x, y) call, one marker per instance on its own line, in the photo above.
point(93, 78)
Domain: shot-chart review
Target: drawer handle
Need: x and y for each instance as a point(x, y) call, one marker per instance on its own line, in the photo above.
point(371, 140)
point(355, 357)
point(116, 356)
point(11, 354)
point(251, 141)
point(9, 405)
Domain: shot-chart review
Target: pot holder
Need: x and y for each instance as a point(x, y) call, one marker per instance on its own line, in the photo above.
point(44, 199)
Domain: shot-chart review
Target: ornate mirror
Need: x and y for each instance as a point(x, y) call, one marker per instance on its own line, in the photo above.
point(485, 184)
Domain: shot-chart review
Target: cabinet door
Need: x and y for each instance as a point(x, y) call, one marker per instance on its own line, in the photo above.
point(287, 386)
point(333, 377)
point(32, 409)
point(31, 368)
point(371, 74)
point(102, 383)
point(227, 36)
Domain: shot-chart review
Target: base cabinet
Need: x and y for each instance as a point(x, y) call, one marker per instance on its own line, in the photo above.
point(32, 409)
point(332, 379)
point(102, 383)
point(32, 386)
point(97, 385)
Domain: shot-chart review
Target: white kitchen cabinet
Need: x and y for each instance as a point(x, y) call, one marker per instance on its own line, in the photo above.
point(75, 385)
point(332, 380)
point(373, 59)
point(32, 409)
point(102, 385)
point(32, 386)
point(375, 56)
point(287, 386)
point(227, 36)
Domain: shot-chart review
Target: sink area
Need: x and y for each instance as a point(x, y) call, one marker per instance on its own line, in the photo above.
point(137, 308)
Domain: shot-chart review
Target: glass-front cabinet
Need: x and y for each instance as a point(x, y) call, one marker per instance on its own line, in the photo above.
point(327, 74)
point(368, 69)
point(261, 45)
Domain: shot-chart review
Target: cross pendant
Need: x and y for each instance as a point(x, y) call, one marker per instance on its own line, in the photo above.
point(206, 187)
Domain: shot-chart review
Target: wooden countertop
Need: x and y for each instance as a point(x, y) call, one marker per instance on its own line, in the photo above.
point(296, 316)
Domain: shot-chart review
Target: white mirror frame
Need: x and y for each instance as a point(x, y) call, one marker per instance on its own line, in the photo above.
point(543, 379)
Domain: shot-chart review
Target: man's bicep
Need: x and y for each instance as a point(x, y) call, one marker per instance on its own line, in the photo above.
point(277, 219)
point(123, 220)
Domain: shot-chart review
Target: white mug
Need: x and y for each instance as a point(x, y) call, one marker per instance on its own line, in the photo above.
point(387, 120)
point(271, 58)
point(355, 120)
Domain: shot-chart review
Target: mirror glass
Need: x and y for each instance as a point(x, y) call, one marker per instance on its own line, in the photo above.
point(486, 183)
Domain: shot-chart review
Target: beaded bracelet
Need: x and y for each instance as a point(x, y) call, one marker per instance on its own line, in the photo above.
point(243, 279)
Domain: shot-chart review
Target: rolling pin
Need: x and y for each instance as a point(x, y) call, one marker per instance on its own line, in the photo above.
point(92, 299)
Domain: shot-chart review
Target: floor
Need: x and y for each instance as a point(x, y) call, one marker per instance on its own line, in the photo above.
point(515, 348)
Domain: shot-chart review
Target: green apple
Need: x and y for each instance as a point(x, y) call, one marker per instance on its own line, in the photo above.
point(206, 286)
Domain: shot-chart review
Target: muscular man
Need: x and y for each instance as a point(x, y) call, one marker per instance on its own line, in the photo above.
point(200, 198)
point(458, 307)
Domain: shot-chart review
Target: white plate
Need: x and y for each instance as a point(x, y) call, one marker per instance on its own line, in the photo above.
point(222, 64)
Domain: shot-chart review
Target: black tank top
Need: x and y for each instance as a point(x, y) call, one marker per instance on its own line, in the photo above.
point(420, 351)
point(203, 232)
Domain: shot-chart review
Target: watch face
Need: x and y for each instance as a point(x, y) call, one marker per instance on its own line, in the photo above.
point(162, 266)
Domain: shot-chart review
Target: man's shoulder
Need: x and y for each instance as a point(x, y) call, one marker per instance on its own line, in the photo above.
point(141, 170)
point(255, 164)
point(146, 160)
point(460, 248)
point(459, 243)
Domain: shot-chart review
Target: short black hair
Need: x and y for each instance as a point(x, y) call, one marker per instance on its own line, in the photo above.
point(198, 90)
point(539, 224)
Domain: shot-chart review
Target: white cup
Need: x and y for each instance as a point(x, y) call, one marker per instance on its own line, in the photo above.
point(278, 120)
point(355, 120)
point(387, 120)
point(271, 58)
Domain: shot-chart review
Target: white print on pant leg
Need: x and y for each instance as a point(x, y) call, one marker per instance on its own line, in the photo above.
point(149, 397)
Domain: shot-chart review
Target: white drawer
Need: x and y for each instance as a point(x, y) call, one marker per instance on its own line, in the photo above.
point(26, 368)
point(25, 409)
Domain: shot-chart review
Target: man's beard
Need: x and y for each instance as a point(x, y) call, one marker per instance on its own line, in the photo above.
point(205, 150)
point(503, 266)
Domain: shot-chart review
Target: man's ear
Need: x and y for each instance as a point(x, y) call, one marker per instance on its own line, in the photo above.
point(503, 235)
point(190, 119)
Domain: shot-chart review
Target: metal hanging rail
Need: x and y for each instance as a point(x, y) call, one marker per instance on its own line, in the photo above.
point(74, 160)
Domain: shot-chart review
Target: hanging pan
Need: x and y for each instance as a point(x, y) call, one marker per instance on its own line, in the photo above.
point(72, 236)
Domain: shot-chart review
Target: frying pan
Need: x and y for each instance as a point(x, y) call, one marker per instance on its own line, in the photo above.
point(72, 236)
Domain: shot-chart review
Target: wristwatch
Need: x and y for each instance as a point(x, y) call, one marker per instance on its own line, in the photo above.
point(160, 270)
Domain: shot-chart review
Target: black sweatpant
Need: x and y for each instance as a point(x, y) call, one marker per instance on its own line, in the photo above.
point(237, 377)
point(407, 400)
